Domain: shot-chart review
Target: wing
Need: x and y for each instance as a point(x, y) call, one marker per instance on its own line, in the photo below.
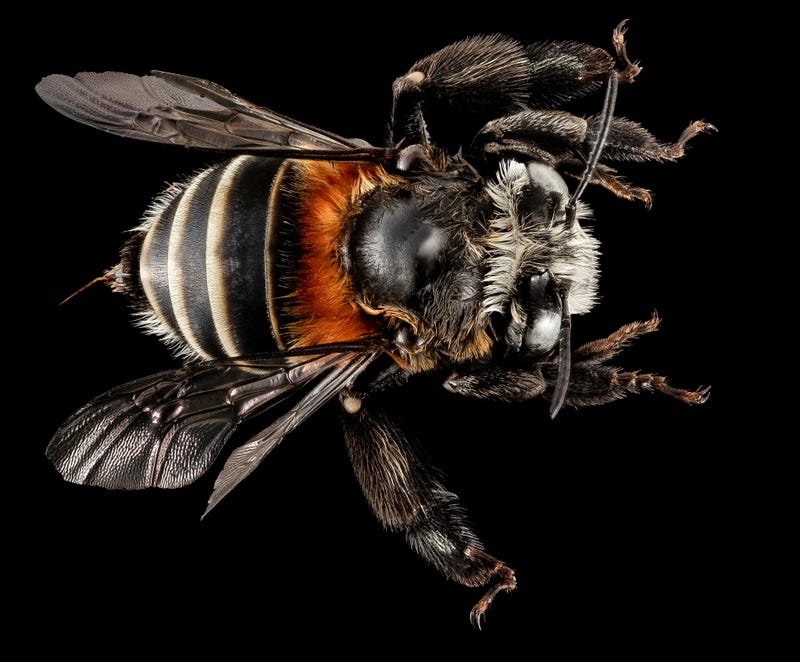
point(167, 429)
point(247, 457)
point(181, 110)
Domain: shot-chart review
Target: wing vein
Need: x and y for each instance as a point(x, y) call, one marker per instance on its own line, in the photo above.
point(244, 459)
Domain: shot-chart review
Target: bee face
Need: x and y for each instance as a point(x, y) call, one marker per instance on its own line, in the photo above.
point(535, 251)
point(308, 268)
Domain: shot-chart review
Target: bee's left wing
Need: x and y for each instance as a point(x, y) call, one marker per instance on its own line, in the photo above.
point(167, 429)
point(244, 459)
point(182, 110)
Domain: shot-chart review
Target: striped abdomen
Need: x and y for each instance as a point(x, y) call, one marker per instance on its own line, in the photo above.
point(240, 260)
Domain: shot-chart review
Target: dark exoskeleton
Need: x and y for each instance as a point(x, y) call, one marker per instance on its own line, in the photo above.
point(309, 266)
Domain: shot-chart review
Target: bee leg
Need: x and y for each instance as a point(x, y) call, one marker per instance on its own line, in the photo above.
point(591, 383)
point(599, 385)
point(474, 80)
point(407, 496)
point(629, 69)
point(498, 384)
point(533, 135)
point(629, 141)
point(594, 383)
point(559, 139)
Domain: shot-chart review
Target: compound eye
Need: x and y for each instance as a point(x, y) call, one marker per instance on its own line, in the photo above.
point(547, 195)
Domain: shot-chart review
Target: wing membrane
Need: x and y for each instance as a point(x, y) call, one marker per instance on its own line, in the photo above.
point(247, 457)
point(181, 110)
point(167, 429)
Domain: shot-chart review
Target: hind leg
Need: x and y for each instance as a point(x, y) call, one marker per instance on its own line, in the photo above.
point(407, 496)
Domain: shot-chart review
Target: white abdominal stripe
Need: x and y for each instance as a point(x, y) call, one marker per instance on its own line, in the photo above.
point(202, 261)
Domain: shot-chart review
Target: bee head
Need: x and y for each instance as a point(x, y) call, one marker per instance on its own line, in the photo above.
point(542, 265)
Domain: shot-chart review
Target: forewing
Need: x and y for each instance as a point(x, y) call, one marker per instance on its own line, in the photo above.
point(248, 456)
point(181, 110)
point(167, 429)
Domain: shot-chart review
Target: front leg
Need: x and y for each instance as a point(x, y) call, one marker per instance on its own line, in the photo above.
point(406, 495)
point(595, 383)
point(592, 382)
point(498, 383)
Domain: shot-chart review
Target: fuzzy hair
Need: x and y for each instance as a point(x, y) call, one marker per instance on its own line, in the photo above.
point(145, 317)
point(515, 246)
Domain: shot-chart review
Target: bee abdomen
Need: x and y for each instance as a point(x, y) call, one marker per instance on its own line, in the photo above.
point(202, 261)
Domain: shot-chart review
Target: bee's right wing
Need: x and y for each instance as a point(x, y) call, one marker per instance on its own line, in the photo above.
point(167, 429)
point(182, 110)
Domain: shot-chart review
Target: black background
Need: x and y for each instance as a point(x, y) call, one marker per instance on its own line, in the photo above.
point(614, 518)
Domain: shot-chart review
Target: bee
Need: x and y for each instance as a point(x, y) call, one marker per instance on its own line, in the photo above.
point(307, 267)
